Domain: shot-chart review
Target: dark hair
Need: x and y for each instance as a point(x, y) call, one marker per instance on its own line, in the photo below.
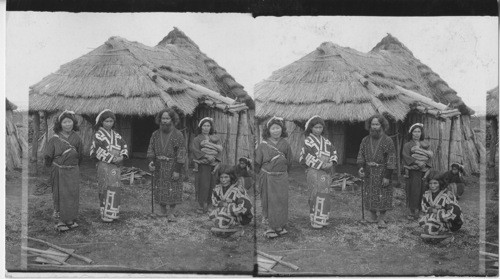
point(104, 116)
point(212, 128)
point(267, 134)
point(422, 136)
point(246, 161)
point(383, 122)
point(315, 121)
point(171, 112)
point(434, 175)
point(229, 171)
point(57, 123)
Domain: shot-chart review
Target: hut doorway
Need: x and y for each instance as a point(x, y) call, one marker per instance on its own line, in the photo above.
point(354, 132)
point(142, 129)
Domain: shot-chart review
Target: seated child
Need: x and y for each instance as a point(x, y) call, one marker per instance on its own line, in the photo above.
point(210, 147)
point(244, 173)
point(442, 214)
point(421, 154)
point(454, 179)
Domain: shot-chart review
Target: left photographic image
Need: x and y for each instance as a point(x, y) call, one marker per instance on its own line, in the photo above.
point(137, 144)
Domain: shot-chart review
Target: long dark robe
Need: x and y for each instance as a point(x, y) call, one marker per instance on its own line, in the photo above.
point(168, 152)
point(65, 155)
point(272, 161)
point(377, 197)
point(204, 178)
point(454, 182)
point(415, 186)
point(105, 147)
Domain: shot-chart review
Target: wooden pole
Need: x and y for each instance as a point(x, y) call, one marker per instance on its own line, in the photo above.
point(238, 131)
point(421, 98)
point(186, 140)
point(292, 266)
point(34, 143)
point(398, 152)
point(493, 149)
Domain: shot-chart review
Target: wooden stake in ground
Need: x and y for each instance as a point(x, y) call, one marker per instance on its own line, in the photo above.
point(67, 251)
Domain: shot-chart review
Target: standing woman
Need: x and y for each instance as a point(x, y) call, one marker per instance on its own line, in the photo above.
point(109, 149)
point(206, 140)
point(64, 153)
point(273, 159)
point(166, 153)
point(319, 156)
point(415, 184)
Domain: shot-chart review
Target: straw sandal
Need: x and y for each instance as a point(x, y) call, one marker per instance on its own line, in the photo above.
point(72, 225)
point(270, 234)
point(171, 218)
point(281, 232)
point(382, 224)
point(61, 227)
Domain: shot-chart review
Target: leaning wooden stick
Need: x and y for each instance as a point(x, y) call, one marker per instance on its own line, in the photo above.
point(67, 251)
point(49, 257)
point(267, 269)
point(488, 254)
point(278, 260)
point(41, 251)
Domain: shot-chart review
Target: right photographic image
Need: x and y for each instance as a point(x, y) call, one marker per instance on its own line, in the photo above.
point(376, 153)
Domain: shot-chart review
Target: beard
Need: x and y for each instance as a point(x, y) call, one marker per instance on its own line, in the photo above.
point(165, 128)
point(376, 133)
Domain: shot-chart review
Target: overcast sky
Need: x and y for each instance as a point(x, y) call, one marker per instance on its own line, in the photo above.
point(462, 50)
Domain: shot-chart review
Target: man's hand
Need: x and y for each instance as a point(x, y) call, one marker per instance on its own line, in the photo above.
point(175, 176)
point(361, 172)
point(151, 166)
point(385, 182)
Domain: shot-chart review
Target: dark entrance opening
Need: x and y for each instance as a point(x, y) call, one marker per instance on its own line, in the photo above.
point(142, 129)
point(354, 134)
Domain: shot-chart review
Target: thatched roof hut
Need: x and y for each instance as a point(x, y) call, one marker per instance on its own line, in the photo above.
point(492, 103)
point(345, 87)
point(137, 81)
point(14, 142)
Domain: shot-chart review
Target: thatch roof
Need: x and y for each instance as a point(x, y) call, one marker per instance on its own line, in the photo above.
point(492, 102)
point(126, 77)
point(216, 77)
point(342, 84)
point(10, 105)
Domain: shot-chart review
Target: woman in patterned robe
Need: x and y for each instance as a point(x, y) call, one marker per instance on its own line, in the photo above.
point(167, 153)
point(273, 159)
point(319, 156)
point(441, 209)
point(232, 205)
point(63, 153)
point(109, 149)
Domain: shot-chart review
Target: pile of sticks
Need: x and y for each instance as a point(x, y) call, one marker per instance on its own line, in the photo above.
point(267, 262)
point(491, 259)
point(55, 255)
point(344, 181)
point(131, 174)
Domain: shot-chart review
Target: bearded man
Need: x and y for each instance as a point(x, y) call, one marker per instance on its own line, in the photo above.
point(167, 153)
point(377, 160)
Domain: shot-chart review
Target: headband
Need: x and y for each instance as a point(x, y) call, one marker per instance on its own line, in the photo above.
point(272, 118)
point(416, 125)
point(206, 118)
point(99, 115)
point(310, 119)
point(65, 112)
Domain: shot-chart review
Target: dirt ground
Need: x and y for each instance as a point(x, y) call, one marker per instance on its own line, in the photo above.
point(136, 241)
point(348, 247)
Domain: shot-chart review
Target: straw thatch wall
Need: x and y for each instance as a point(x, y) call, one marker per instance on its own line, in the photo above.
point(345, 86)
point(136, 82)
point(492, 102)
point(492, 117)
point(15, 141)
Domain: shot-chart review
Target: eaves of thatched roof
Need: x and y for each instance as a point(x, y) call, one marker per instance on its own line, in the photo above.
point(10, 105)
point(492, 102)
point(342, 84)
point(126, 77)
point(215, 77)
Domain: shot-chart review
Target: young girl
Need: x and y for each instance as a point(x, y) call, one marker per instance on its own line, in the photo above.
point(231, 202)
point(454, 179)
point(64, 154)
point(244, 173)
point(109, 149)
point(442, 214)
point(319, 156)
